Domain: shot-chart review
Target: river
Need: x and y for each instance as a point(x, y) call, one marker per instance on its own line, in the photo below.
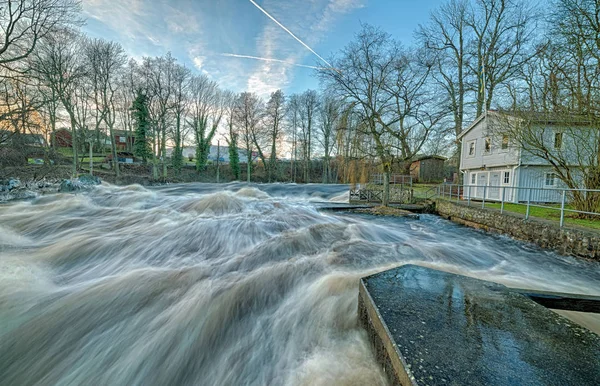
point(206, 284)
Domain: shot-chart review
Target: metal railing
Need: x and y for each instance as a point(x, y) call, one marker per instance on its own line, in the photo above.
point(557, 199)
point(395, 179)
point(399, 194)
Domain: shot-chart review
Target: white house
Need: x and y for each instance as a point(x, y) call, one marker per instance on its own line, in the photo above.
point(493, 164)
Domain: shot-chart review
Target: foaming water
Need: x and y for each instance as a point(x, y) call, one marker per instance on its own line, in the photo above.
point(219, 284)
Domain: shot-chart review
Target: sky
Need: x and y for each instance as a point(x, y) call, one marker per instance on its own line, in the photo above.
point(209, 36)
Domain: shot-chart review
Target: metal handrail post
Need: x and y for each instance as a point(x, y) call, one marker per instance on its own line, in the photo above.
point(458, 194)
point(562, 208)
point(469, 196)
point(503, 194)
point(528, 204)
point(484, 194)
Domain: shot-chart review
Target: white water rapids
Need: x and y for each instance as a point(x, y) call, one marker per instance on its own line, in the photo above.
point(206, 284)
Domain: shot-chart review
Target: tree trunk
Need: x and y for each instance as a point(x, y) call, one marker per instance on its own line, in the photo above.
point(248, 167)
point(386, 185)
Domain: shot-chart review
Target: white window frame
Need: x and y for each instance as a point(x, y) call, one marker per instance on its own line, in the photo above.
point(550, 177)
point(473, 178)
point(506, 177)
point(474, 143)
point(122, 139)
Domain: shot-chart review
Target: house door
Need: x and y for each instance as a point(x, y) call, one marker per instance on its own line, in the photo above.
point(494, 187)
point(481, 182)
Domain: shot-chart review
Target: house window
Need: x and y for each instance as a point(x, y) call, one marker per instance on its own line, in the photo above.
point(122, 139)
point(473, 176)
point(550, 179)
point(558, 140)
point(472, 148)
point(506, 177)
point(488, 145)
point(504, 142)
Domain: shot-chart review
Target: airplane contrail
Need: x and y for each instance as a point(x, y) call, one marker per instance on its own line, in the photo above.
point(271, 60)
point(289, 32)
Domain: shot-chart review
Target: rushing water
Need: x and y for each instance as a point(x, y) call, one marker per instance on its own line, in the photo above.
point(207, 284)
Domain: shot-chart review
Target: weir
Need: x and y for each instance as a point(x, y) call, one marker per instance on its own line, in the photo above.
point(430, 327)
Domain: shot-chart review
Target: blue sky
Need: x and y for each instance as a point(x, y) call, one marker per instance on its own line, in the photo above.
point(199, 32)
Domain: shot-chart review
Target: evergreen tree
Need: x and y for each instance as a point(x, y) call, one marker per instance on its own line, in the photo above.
point(141, 116)
point(234, 158)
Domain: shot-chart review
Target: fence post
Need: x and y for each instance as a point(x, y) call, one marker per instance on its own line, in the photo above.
point(502, 205)
point(443, 191)
point(484, 194)
point(458, 194)
point(562, 209)
point(528, 203)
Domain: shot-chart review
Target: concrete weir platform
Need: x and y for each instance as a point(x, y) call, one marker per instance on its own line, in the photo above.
point(431, 327)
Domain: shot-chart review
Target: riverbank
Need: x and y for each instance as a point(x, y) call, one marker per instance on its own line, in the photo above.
point(579, 242)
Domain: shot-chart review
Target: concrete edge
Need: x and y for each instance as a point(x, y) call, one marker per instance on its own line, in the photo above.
point(386, 351)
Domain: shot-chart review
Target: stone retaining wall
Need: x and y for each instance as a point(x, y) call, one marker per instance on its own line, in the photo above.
point(566, 240)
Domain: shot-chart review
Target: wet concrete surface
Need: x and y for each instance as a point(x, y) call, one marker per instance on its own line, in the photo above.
point(448, 329)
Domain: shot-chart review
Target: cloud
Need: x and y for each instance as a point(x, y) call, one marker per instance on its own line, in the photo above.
point(275, 41)
point(199, 61)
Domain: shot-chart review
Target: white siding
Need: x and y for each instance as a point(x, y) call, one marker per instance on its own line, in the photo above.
point(496, 157)
point(535, 177)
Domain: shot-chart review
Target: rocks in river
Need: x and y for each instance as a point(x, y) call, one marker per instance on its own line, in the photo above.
point(14, 189)
point(81, 182)
point(9, 184)
point(88, 179)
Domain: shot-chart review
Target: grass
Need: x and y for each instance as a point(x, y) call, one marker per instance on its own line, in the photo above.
point(94, 159)
point(548, 213)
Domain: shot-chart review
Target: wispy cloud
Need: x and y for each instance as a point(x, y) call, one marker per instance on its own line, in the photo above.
point(289, 32)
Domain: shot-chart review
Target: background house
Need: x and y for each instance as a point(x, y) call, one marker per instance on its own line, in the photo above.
point(124, 139)
point(492, 162)
point(62, 138)
point(428, 168)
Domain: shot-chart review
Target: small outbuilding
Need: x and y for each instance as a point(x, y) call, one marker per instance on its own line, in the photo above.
point(428, 168)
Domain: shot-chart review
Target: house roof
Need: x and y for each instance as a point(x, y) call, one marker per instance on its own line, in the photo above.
point(472, 125)
point(424, 157)
point(550, 118)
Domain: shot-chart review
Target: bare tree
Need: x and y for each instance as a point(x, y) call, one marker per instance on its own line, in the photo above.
point(158, 76)
point(447, 35)
point(502, 31)
point(57, 63)
point(307, 112)
point(293, 110)
point(24, 23)
point(181, 85)
point(329, 112)
point(106, 61)
point(274, 116)
point(248, 111)
point(388, 85)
